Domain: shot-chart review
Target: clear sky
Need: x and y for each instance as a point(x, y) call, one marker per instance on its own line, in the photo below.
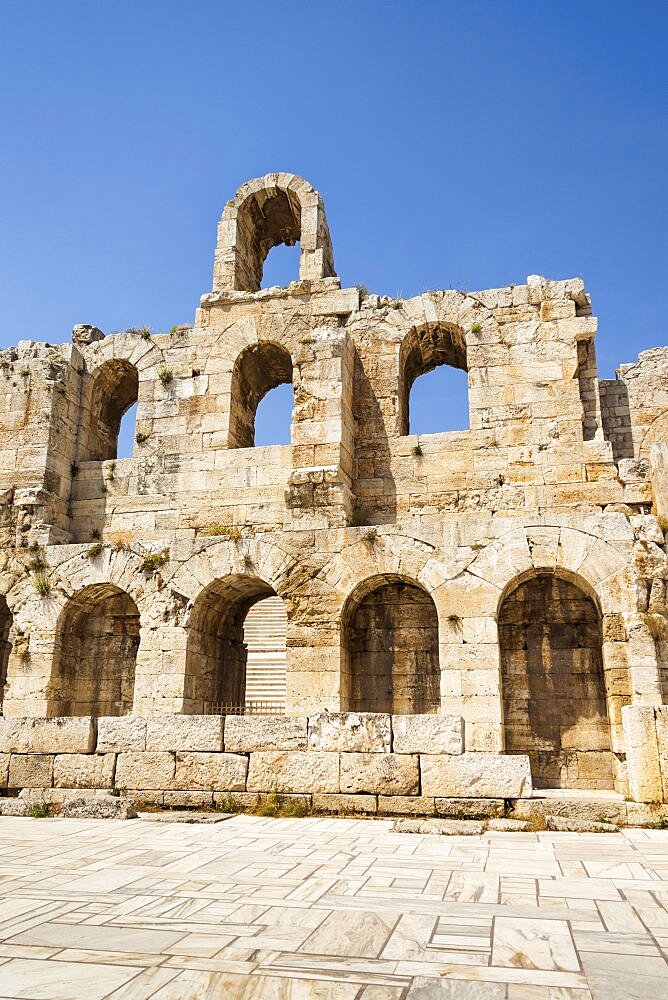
point(457, 144)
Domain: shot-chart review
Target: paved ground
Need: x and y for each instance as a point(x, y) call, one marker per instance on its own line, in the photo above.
point(336, 909)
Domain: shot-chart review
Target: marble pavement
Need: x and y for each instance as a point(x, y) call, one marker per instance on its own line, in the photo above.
point(330, 909)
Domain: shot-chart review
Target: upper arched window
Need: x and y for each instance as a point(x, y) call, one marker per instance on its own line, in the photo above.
point(440, 401)
point(259, 369)
point(113, 391)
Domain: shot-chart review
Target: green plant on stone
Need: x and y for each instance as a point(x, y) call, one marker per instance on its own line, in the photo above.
point(476, 327)
point(94, 551)
point(41, 583)
point(364, 292)
point(417, 450)
point(152, 561)
point(165, 374)
point(141, 436)
point(230, 804)
point(38, 809)
point(370, 536)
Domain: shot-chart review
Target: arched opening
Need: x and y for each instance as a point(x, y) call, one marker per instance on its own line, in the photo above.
point(127, 432)
point(390, 649)
point(5, 645)
point(281, 265)
point(235, 657)
point(441, 402)
point(113, 392)
point(97, 639)
point(554, 702)
point(258, 369)
point(266, 219)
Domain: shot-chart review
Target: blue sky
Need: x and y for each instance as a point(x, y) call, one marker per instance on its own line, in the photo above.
point(456, 144)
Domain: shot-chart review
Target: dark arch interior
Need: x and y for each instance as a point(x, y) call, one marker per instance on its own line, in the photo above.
point(423, 350)
point(391, 651)
point(217, 654)
point(96, 651)
point(265, 220)
point(554, 699)
point(258, 369)
point(5, 645)
point(114, 389)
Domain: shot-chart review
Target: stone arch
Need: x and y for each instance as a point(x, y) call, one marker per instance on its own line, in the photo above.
point(216, 653)
point(115, 370)
point(259, 368)
point(389, 648)
point(265, 212)
point(426, 347)
point(95, 653)
point(5, 644)
point(552, 679)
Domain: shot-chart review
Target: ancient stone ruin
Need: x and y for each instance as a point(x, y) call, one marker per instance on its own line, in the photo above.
point(378, 620)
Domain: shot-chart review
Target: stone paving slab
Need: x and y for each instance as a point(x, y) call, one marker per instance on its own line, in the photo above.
point(330, 909)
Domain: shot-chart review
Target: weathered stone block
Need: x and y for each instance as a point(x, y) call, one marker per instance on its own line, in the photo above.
point(99, 807)
point(246, 733)
point(61, 735)
point(185, 732)
point(79, 770)
point(361, 732)
point(387, 774)
point(460, 808)
point(188, 800)
point(642, 753)
point(145, 770)
point(476, 774)
point(121, 734)
point(427, 734)
point(4, 769)
point(293, 771)
point(440, 827)
point(406, 805)
point(30, 770)
point(345, 804)
point(210, 771)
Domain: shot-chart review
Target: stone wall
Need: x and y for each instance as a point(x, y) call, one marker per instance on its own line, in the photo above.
point(126, 583)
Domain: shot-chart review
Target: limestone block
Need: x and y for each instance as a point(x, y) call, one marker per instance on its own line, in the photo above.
point(345, 804)
point(99, 807)
point(440, 827)
point(483, 775)
point(661, 714)
point(185, 732)
point(427, 734)
point(30, 771)
point(188, 800)
point(210, 771)
point(4, 769)
point(80, 770)
point(293, 771)
point(642, 753)
point(406, 805)
point(145, 770)
point(470, 808)
point(120, 734)
point(61, 735)
point(361, 732)
point(387, 774)
point(246, 733)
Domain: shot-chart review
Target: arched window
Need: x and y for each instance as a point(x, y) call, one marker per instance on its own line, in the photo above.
point(390, 649)
point(235, 657)
point(554, 702)
point(259, 369)
point(112, 392)
point(435, 358)
point(97, 639)
point(5, 645)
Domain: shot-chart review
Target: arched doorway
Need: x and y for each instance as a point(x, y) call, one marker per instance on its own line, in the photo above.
point(554, 702)
point(97, 639)
point(390, 649)
point(235, 657)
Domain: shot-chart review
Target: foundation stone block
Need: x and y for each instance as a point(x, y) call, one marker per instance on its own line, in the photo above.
point(247, 733)
point(120, 735)
point(78, 770)
point(210, 771)
point(361, 732)
point(185, 732)
point(346, 804)
point(427, 734)
point(642, 753)
point(470, 808)
point(387, 774)
point(406, 805)
point(145, 770)
point(62, 735)
point(32, 770)
point(293, 771)
point(476, 774)
point(4, 769)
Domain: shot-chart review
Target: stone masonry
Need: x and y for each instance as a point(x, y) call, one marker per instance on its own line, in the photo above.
point(464, 612)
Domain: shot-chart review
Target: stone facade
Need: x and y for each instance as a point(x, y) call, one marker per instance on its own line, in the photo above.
point(509, 581)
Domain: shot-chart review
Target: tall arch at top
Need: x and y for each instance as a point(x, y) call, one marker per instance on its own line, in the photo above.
point(265, 212)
